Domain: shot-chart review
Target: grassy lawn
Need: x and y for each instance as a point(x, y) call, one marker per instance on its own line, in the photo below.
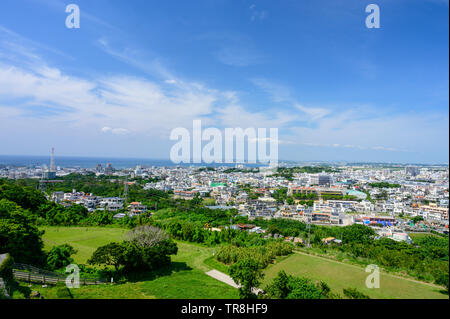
point(339, 276)
point(84, 239)
point(185, 278)
point(421, 235)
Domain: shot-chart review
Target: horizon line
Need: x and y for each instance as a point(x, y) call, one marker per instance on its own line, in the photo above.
point(245, 163)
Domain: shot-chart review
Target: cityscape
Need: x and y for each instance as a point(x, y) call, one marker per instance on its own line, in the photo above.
point(224, 159)
point(384, 195)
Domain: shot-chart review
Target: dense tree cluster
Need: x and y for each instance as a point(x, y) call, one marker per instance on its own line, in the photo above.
point(286, 286)
point(60, 256)
point(19, 236)
point(247, 273)
point(262, 255)
point(146, 248)
point(384, 185)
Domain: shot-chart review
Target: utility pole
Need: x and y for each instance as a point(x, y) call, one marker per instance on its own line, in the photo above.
point(125, 190)
point(42, 186)
point(309, 231)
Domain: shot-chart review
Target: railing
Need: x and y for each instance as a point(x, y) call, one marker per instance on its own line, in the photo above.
point(33, 274)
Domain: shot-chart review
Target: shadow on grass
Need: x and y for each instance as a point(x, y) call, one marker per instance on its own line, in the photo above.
point(444, 292)
point(152, 275)
point(64, 293)
point(24, 290)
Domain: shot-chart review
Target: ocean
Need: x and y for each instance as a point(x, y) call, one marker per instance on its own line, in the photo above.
point(91, 162)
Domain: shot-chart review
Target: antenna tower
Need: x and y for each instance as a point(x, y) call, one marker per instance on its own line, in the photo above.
point(52, 161)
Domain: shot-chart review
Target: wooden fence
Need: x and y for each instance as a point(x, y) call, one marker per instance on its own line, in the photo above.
point(32, 274)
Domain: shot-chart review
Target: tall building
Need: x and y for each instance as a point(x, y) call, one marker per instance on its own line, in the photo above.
point(138, 170)
point(320, 179)
point(412, 170)
point(109, 169)
point(51, 172)
point(99, 168)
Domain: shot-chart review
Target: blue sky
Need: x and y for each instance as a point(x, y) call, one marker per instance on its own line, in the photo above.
point(135, 70)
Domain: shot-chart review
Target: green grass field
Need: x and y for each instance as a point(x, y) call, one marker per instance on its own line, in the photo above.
point(84, 239)
point(184, 279)
point(340, 275)
point(421, 235)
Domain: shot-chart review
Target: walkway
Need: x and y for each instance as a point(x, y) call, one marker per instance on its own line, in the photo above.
point(228, 280)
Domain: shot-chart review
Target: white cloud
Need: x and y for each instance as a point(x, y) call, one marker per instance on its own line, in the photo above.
point(237, 116)
point(118, 131)
point(353, 127)
point(278, 92)
point(363, 130)
point(118, 104)
point(313, 113)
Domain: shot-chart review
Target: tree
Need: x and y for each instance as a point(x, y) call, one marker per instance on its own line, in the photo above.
point(147, 235)
point(26, 197)
point(279, 288)
point(358, 234)
point(274, 229)
point(6, 272)
point(290, 201)
point(197, 200)
point(303, 288)
point(146, 248)
point(417, 219)
point(443, 280)
point(290, 287)
point(110, 254)
point(248, 274)
point(60, 256)
point(19, 236)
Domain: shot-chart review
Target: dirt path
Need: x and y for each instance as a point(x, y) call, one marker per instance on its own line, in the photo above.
point(228, 280)
point(222, 277)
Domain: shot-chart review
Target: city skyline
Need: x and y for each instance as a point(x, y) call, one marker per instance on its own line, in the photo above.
point(17, 160)
point(131, 73)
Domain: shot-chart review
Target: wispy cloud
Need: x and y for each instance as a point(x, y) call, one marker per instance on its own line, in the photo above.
point(146, 62)
point(118, 131)
point(359, 127)
point(280, 93)
point(256, 14)
point(117, 104)
point(313, 113)
point(36, 97)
